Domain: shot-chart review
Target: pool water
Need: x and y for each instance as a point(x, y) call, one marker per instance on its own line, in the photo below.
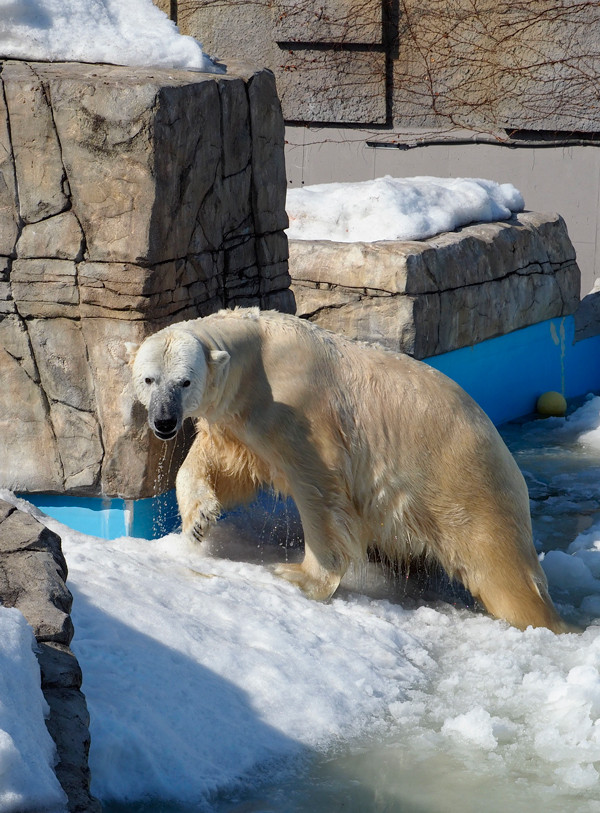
point(407, 767)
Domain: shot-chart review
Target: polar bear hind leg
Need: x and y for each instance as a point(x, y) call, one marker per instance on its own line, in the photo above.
point(323, 567)
point(507, 579)
point(516, 595)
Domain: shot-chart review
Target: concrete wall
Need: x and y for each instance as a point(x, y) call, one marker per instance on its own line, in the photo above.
point(484, 65)
point(561, 179)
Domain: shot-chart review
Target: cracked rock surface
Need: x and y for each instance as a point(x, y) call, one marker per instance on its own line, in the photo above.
point(129, 198)
point(432, 296)
point(33, 573)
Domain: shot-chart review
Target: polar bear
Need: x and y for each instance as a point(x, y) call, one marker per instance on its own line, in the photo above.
point(377, 450)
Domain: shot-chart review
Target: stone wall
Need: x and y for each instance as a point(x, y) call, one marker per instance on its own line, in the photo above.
point(129, 198)
point(32, 579)
point(483, 65)
point(436, 295)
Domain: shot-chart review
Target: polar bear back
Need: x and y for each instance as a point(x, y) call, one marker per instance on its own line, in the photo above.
point(390, 425)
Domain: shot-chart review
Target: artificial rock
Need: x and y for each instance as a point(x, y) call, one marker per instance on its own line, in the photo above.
point(450, 291)
point(33, 575)
point(129, 198)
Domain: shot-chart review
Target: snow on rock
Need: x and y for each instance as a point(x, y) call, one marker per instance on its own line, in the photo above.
point(396, 208)
point(134, 32)
point(27, 752)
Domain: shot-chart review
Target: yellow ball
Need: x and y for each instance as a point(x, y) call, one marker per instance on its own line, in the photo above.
point(552, 403)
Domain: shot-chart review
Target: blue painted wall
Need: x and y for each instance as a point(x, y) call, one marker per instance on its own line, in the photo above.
point(505, 375)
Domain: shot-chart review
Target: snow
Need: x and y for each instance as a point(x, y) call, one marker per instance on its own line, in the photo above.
point(134, 32)
point(207, 676)
point(396, 208)
point(27, 752)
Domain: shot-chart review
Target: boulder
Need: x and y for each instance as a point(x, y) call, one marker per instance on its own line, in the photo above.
point(432, 296)
point(129, 198)
point(33, 576)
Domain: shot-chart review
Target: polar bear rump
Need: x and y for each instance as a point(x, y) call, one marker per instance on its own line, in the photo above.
point(377, 450)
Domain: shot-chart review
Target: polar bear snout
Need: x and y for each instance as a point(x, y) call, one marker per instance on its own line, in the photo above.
point(165, 414)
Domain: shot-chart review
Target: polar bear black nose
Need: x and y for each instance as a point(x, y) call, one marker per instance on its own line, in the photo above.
point(165, 426)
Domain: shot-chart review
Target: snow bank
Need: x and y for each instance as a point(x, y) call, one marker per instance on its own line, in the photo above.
point(233, 669)
point(27, 752)
point(203, 673)
point(134, 32)
point(396, 208)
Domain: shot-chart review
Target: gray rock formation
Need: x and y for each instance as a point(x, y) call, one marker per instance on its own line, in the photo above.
point(33, 572)
point(436, 295)
point(129, 198)
point(587, 316)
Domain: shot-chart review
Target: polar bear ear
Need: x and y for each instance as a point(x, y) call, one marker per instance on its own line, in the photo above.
point(219, 360)
point(219, 365)
point(123, 352)
point(131, 349)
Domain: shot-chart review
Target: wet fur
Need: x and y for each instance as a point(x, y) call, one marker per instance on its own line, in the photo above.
point(377, 450)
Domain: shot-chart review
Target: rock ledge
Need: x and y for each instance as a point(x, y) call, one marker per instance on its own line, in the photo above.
point(432, 296)
point(33, 573)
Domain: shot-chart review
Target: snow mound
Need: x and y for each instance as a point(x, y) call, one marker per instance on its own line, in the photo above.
point(27, 752)
point(396, 208)
point(134, 32)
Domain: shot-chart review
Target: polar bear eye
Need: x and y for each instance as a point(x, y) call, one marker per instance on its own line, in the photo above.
point(149, 380)
point(186, 383)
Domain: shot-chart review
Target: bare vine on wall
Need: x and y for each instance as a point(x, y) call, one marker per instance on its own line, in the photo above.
point(527, 64)
point(489, 66)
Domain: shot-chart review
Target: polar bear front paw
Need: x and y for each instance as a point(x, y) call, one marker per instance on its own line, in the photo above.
point(196, 529)
point(318, 589)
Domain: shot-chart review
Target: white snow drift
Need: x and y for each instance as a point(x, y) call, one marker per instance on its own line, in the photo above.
point(119, 32)
point(396, 208)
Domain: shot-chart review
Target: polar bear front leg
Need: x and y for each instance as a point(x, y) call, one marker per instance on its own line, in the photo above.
point(217, 474)
point(198, 504)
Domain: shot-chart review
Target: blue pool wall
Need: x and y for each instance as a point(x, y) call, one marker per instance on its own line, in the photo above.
point(505, 375)
point(111, 518)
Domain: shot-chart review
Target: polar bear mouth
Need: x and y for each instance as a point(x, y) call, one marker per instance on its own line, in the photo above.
point(165, 435)
point(165, 429)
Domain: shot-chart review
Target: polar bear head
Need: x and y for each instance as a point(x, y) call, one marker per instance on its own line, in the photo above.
point(175, 376)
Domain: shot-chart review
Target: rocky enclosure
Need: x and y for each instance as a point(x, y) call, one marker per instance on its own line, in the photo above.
point(436, 295)
point(129, 198)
